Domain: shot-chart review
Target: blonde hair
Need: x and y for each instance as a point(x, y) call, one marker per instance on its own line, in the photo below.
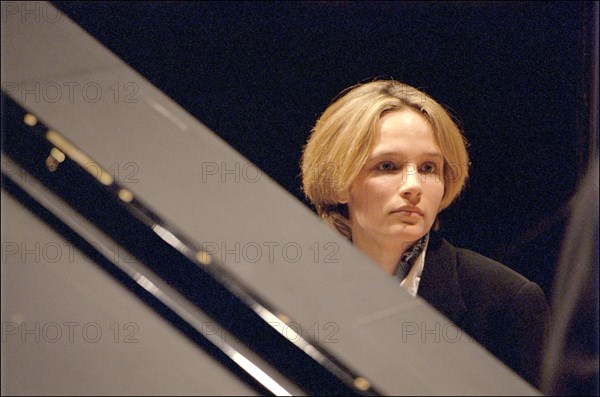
point(342, 139)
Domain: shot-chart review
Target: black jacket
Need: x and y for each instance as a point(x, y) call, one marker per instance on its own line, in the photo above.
point(499, 308)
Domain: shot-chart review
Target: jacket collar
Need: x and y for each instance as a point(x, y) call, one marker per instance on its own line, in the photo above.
point(439, 284)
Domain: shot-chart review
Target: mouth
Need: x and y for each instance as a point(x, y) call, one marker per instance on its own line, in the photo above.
point(408, 211)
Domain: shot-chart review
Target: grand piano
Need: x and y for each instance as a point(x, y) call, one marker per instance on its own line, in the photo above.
point(141, 254)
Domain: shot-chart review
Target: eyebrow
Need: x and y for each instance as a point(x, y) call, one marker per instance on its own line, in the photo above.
point(393, 153)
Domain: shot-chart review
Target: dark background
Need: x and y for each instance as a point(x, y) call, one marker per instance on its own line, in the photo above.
point(516, 75)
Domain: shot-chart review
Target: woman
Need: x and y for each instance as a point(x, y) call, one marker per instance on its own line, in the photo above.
point(382, 162)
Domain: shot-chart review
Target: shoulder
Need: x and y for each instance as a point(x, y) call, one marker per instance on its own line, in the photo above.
point(502, 309)
point(481, 276)
point(475, 266)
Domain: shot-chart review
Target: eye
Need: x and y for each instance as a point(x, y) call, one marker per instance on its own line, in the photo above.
point(386, 166)
point(429, 167)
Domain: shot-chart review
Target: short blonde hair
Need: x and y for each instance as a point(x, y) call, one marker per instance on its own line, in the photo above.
point(342, 138)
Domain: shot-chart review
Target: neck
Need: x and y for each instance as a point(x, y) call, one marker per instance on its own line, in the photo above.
point(385, 254)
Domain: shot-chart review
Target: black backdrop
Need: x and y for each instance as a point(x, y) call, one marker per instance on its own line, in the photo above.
point(260, 73)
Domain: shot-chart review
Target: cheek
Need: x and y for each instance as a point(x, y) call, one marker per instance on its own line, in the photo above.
point(379, 190)
point(436, 193)
point(369, 195)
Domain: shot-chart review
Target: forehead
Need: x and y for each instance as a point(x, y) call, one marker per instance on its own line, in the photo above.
point(405, 131)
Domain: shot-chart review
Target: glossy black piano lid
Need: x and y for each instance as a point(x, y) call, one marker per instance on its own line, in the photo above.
point(130, 224)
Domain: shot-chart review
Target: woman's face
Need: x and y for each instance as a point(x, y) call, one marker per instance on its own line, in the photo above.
point(397, 194)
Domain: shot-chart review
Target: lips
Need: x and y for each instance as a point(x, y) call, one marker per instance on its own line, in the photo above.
point(409, 210)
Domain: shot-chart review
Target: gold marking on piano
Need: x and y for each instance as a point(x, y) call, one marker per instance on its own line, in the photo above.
point(361, 383)
point(204, 257)
point(57, 154)
point(30, 119)
point(125, 195)
point(54, 159)
point(79, 157)
point(51, 163)
point(284, 318)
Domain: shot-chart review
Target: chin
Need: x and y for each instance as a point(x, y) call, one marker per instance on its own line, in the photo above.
point(409, 233)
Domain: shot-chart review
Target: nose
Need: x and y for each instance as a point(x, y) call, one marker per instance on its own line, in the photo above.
point(411, 186)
